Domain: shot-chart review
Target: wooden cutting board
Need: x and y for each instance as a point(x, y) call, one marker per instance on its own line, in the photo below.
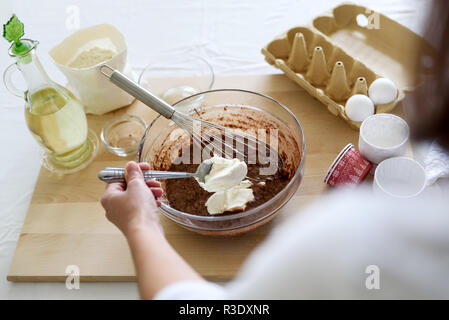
point(65, 224)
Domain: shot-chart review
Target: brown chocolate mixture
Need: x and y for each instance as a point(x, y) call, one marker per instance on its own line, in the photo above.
point(186, 194)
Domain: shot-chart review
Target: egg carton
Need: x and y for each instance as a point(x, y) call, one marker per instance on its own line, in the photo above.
point(343, 51)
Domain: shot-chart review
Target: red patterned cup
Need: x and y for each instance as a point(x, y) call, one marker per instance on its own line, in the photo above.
point(349, 168)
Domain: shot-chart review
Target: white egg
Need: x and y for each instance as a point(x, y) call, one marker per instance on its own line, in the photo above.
point(382, 91)
point(359, 107)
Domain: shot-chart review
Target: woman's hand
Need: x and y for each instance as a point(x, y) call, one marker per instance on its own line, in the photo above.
point(133, 207)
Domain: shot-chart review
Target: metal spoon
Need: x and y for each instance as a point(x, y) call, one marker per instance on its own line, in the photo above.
point(113, 175)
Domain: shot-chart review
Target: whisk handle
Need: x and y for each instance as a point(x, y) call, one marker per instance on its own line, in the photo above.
point(113, 175)
point(137, 91)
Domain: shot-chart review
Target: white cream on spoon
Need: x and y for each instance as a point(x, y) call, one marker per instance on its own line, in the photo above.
point(226, 180)
point(224, 174)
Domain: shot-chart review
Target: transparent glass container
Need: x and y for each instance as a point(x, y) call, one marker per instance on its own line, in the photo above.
point(173, 77)
point(161, 131)
point(54, 116)
point(121, 135)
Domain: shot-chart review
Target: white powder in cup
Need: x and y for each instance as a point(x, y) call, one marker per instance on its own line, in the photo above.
point(385, 131)
point(91, 57)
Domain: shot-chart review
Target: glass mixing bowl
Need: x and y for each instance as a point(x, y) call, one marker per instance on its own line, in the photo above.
point(162, 133)
point(176, 76)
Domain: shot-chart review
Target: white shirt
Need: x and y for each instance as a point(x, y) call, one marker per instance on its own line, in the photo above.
point(349, 245)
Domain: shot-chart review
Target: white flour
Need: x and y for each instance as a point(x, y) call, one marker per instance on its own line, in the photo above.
point(91, 57)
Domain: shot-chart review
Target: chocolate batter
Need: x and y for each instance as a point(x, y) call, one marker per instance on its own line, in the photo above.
point(186, 194)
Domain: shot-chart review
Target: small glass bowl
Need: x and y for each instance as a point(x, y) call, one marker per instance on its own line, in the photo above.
point(121, 135)
point(174, 77)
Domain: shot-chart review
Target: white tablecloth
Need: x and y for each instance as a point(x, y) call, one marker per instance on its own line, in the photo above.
point(228, 33)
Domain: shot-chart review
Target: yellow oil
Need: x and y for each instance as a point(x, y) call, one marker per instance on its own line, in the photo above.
point(57, 121)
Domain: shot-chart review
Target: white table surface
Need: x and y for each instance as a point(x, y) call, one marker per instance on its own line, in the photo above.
point(228, 33)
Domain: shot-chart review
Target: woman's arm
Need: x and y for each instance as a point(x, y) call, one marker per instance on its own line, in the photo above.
point(133, 209)
point(157, 263)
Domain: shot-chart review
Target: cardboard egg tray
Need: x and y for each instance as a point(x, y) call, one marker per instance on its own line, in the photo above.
point(337, 55)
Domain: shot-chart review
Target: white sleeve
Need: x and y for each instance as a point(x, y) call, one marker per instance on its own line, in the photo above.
point(326, 251)
point(191, 290)
point(352, 245)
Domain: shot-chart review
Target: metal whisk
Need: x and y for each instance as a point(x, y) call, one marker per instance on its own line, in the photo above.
point(210, 136)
